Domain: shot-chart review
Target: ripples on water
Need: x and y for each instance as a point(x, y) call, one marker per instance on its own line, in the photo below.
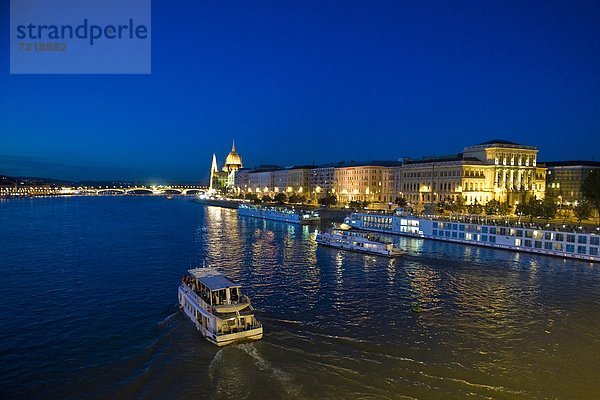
point(89, 310)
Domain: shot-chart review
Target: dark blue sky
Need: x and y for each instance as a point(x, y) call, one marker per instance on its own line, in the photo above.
point(303, 82)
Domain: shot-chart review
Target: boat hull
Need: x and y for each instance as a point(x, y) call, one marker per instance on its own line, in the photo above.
point(224, 340)
point(274, 218)
point(273, 215)
point(534, 240)
point(357, 249)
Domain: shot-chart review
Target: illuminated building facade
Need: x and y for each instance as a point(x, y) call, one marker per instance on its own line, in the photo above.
point(14, 187)
point(364, 182)
point(435, 180)
point(262, 180)
point(299, 180)
point(510, 170)
point(280, 181)
point(564, 179)
point(273, 179)
point(241, 181)
point(494, 170)
point(321, 181)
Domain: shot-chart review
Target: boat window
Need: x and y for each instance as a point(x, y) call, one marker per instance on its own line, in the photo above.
point(558, 246)
point(234, 295)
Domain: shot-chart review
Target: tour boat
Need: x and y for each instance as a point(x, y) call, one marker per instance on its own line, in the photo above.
point(279, 214)
point(218, 309)
point(357, 241)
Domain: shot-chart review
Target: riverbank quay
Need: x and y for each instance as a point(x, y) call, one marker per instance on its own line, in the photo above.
point(223, 203)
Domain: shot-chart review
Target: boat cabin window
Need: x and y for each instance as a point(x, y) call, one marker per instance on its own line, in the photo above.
point(234, 295)
point(219, 297)
point(201, 290)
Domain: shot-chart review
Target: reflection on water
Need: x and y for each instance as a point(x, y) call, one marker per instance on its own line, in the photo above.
point(89, 308)
point(424, 285)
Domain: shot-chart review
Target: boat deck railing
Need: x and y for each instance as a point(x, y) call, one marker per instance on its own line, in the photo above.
point(197, 298)
point(230, 330)
point(243, 299)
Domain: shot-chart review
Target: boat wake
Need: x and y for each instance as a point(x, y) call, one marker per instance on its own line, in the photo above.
point(265, 366)
point(235, 369)
point(167, 319)
point(284, 321)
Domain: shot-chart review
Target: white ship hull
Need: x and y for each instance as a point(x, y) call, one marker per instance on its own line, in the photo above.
point(275, 215)
point(582, 246)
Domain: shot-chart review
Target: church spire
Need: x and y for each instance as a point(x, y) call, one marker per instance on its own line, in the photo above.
point(214, 167)
point(213, 170)
point(233, 146)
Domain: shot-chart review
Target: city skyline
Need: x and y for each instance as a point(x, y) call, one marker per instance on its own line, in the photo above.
point(37, 165)
point(303, 84)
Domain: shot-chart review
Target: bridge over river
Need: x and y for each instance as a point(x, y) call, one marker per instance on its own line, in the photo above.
point(135, 190)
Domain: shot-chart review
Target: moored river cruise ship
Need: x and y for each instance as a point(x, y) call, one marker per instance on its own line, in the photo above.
point(519, 237)
point(279, 214)
point(215, 305)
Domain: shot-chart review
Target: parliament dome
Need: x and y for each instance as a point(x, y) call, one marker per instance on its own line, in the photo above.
point(233, 160)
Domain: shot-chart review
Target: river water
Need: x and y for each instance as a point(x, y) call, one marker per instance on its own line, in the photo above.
point(88, 309)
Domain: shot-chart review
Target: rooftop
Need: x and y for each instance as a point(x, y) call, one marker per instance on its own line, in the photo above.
point(212, 279)
point(373, 163)
point(302, 167)
point(441, 159)
point(267, 168)
point(499, 141)
point(574, 163)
